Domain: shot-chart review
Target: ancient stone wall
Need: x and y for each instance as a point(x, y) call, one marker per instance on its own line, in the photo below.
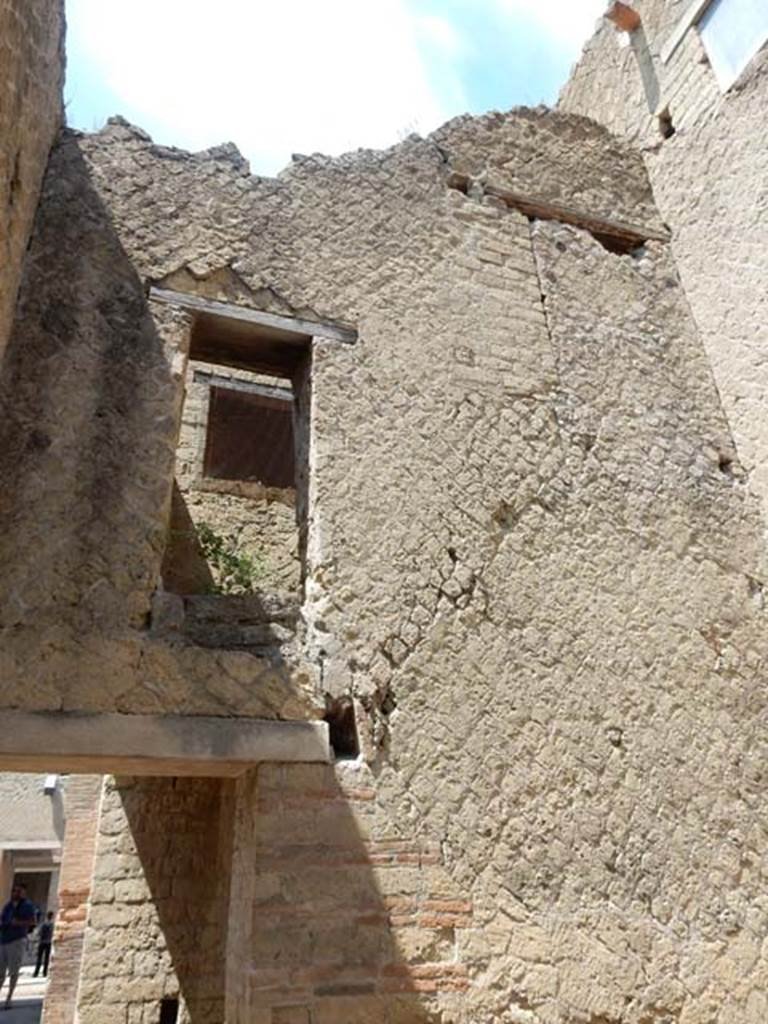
point(315, 905)
point(708, 180)
point(157, 920)
point(622, 81)
point(531, 562)
point(90, 396)
point(31, 77)
point(346, 915)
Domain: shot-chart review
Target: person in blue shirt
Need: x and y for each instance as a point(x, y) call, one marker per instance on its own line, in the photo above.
point(16, 919)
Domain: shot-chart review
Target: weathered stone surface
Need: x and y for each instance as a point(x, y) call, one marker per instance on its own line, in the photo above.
point(156, 745)
point(709, 181)
point(531, 560)
point(565, 161)
point(31, 77)
point(76, 889)
point(158, 928)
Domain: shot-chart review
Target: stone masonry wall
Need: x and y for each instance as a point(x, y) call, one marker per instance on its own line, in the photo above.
point(90, 397)
point(31, 77)
point(622, 82)
point(531, 561)
point(158, 915)
point(346, 916)
point(709, 182)
point(316, 905)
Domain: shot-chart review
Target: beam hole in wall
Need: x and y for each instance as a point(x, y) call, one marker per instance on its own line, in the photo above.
point(342, 728)
point(169, 1011)
point(617, 245)
point(666, 127)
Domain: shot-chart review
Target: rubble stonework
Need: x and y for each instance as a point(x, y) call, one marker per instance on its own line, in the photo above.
point(31, 78)
point(529, 559)
point(709, 181)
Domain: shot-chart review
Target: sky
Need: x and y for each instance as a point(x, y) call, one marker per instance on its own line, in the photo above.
point(279, 77)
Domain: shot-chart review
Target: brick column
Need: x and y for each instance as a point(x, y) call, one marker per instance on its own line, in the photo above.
point(83, 800)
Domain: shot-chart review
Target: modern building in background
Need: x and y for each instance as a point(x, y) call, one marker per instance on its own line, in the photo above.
point(32, 824)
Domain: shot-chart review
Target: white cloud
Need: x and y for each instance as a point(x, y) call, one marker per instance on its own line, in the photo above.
point(273, 77)
point(297, 75)
point(568, 22)
point(440, 33)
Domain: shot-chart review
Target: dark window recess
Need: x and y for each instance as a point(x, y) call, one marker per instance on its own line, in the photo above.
point(250, 437)
point(169, 1011)
point(340, 716)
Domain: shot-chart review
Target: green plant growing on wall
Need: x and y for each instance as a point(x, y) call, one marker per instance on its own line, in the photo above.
point(234, 571)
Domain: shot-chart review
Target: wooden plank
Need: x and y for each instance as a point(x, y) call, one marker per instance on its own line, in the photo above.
point(218, 380)
point(542, 209)
point(284, 324)
point(632, 235)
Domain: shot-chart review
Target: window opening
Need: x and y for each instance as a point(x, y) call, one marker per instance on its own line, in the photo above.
point(239, 516)
point(732, 32)
point(249, 436)
point(240, 461)
point(239, 501)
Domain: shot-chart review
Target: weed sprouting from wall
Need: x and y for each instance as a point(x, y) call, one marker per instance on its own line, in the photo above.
point(234, 571)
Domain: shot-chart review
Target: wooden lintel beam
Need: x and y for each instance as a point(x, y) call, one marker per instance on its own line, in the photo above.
point(258, 317)
point(633, 235)
point(542, 209)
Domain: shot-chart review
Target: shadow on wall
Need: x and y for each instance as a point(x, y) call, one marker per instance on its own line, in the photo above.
point(90, 398)
point(184, 569)
point(351, 919)
point(86, 431)
point(177, 893)
point(284, 896)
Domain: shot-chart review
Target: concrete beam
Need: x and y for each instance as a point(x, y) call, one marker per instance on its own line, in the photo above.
point(31, 845)
point(112, 744)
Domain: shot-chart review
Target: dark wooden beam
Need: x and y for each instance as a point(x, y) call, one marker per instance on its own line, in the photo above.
point(627, 236)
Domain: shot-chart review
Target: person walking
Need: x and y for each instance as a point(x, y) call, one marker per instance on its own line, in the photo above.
point(44, 940)
point(16, 918)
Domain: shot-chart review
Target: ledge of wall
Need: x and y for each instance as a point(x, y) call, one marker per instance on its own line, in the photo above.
point(154, 744)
